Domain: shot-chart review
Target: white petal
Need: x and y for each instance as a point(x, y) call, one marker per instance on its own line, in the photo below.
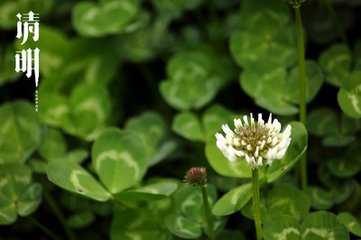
point(253, 161)
point(271, 153)
point(274, 141)
point(235, 142)
point(283, 148)
point(252, 119)
point(219, 136)
point(256, 152)
point(245, 119)
point(227, 130)
point(280, 154)
point(221, 141)
point(260, 119)
point(228, 151)
point(269, 162)
point(237, 123)
point(246, 157)
point(230, 155)
point(250, 160)
point(287, 131)
point(239, 153)
point(270, 119)
point(276, 125)
point(284, 143)
point(263, 143)
point(259, 161)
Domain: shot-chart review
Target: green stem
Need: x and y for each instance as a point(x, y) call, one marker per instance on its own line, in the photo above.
point(256, 204)
point(207, 213)
point(43, 228)
point(59, 215)
point(302, 86)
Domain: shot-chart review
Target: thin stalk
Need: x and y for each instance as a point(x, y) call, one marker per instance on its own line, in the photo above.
point(43, 228)
point(207, 213)
point(59, 215)
point(302, 86)
point(256, 204)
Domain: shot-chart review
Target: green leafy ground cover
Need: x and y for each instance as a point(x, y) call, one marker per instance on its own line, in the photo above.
point(131, 95)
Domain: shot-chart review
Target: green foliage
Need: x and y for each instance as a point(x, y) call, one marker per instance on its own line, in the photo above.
point(186, 219)
point(224, 167)
point(334, 129)
point(189, 126)
point(131, 96)
point(194, 78)
point(265, 32)
point(287, 200)
point(20, 132)
point(7, 62)
point(321, 199)
point(258, 82)
point(296, 149)
point(9, 9)
point(80, 220)
point(84, 114)
point(286, 227)
point(53, 144)
point(323, 225)
point(54, 45)
point(72, 177)
point(151, 127)
point(142, 223)
point(154, 190)
point(350, 222)
point(316, 225)
point(345, 167)
point(106, 17)
point(315, 80)
point(350, 102)
point(174, 9)
point(119, 158)
point(233, 201)
point(342, 70)
point(263, 24)
point(20, 196)
point(336, 62)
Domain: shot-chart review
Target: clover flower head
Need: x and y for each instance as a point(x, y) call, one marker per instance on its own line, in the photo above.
point(196, 176)
point(257, 142)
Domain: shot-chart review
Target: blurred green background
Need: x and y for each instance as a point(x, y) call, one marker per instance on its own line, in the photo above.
point(170, 72)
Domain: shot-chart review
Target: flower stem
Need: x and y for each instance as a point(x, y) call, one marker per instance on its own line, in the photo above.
point(59, 215)
point(302, 85)
point(256, 204)
point(207, 213)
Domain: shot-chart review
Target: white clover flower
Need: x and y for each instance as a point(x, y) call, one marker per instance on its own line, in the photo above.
point(258, 142)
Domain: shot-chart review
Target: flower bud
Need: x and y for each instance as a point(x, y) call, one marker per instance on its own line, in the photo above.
point(196, 176)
